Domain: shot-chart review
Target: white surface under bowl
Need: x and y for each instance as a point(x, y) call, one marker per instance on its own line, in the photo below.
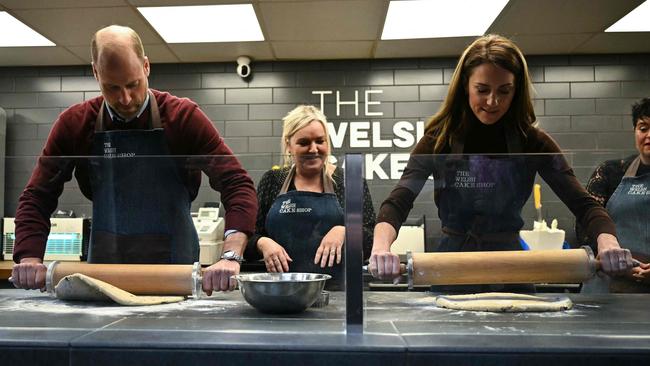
point(543, 240)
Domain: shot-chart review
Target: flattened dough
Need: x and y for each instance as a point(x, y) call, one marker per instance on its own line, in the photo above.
point(81, 287)
point(503, 302)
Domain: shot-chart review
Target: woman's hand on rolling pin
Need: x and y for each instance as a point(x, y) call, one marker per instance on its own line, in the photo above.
point(330, 249)
point(641, 273)
point(384, 265)
point(29, 274)
point(276, 258)
point(614, 260)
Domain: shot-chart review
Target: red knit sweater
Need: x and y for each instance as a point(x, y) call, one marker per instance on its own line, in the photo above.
point(188, 131)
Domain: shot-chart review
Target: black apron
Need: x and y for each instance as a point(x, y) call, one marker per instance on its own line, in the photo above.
point(141, 208)
point(298, 221)
point(480, 205)
point(629, 207)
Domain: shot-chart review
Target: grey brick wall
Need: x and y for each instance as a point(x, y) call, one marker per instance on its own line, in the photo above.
point(582, 101)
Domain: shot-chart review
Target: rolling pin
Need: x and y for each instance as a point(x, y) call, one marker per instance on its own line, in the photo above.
point(472, 268)
point(453, 268)
point(469, 268)
point(138, 279)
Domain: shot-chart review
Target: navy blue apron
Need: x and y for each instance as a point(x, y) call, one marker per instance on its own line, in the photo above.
point(480, 203)
point(298, 221)
point(141, 208)
point(629, 207)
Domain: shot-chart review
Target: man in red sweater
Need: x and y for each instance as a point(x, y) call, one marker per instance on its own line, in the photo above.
point(138, 154)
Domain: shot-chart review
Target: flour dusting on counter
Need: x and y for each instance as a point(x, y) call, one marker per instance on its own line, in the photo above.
point(49, 305)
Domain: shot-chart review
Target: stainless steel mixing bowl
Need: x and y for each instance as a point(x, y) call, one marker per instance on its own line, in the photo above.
point(281, 293)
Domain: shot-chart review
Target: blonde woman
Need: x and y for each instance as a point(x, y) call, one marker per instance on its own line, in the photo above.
point(488, 117)
point(300, 221)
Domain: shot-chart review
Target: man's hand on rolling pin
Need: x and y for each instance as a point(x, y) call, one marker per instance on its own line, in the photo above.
point(217, 277)
point(29, 274)
point(614, 260)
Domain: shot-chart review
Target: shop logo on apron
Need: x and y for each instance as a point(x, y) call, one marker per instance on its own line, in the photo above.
point(465, 179)
point(638, 189)
point(111, 152)
point(288, 208)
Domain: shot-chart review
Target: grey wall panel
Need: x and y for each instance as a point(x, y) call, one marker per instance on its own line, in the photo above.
point(582, 101)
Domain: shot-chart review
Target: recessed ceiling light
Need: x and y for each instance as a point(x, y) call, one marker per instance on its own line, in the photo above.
point(206, 23)
point(635, 21)
point(440, 18)
point(16, 34)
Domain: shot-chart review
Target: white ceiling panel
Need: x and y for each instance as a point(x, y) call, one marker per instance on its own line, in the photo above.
point(205, 52)
point(322, 50)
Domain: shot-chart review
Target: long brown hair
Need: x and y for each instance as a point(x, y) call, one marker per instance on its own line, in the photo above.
point(452, 117)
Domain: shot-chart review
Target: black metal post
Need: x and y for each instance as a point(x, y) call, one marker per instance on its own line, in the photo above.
point(354, 243)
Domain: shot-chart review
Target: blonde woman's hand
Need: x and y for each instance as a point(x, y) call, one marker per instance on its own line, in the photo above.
point(330, 249)
point(641, 273)
point(276, 258)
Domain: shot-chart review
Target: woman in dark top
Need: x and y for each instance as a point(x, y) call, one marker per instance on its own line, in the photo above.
point(488, 110)
point(300, 219)
point(623, 188)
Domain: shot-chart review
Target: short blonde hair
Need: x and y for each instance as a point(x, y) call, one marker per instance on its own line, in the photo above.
point(297, 119)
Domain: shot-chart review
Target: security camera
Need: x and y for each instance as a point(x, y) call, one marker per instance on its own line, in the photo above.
point(243, 66)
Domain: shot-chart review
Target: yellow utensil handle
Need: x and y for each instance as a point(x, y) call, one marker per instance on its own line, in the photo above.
point(537, 194)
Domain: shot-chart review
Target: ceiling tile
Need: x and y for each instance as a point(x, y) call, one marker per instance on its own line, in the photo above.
point(550, 44)
point(218, 52)
point(75, 27)
point(431, 47)
point(636, 42)
point(52, 4)
point(157, 53)
point(560, 16)
point(322, 50)
point(184, 3)
point(324, 20)
point(320, 29)
point(37, 56)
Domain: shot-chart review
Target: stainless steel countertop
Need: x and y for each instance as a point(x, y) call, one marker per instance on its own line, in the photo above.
point(396, 323)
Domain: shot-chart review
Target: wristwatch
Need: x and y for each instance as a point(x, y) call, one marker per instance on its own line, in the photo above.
point(231, 255)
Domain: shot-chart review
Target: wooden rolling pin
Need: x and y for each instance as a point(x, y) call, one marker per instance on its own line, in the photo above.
point(466, 268)
point(138, 279)
point(457, 268)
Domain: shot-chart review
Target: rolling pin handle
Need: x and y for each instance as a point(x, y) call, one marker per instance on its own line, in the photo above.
point(49, 278)
point(197, 280)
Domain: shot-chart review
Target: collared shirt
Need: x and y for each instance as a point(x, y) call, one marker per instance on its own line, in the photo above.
point(115, 117)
